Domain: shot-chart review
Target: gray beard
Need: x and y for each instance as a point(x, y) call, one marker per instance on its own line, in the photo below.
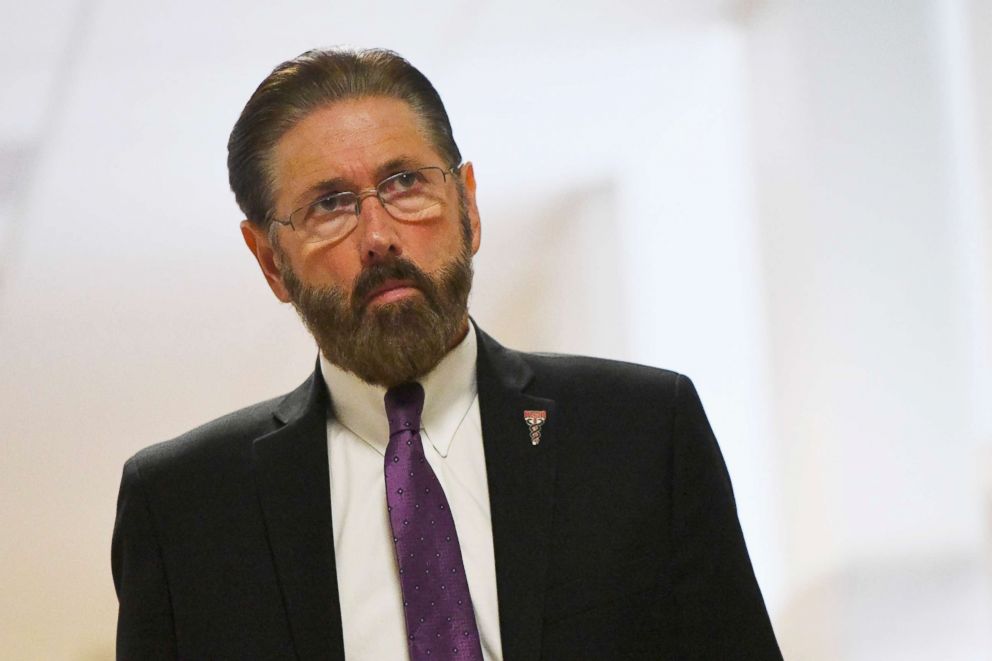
point(393, 343)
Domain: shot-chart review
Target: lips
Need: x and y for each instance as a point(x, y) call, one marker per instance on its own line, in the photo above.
point(393, 280)
point(391, 290)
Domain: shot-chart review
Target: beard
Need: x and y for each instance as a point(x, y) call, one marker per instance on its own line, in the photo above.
point(392, 343)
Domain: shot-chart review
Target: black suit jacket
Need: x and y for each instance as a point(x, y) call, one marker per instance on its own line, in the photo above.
point(616, 537)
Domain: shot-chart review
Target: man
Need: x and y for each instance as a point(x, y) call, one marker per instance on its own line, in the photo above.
point(426, 493)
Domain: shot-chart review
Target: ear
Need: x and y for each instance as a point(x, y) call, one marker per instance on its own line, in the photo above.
point(257, 240)
point(468, 176)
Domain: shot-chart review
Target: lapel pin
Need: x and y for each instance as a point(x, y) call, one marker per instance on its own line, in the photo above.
point(535, 420)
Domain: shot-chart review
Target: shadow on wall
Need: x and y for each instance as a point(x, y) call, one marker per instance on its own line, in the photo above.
point(99, 652)
point(912, 609)
point(551, 299)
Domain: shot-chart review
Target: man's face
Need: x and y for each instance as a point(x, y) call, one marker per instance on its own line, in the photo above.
point(387, 300)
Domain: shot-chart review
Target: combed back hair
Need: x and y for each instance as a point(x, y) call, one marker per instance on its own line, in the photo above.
point(316, 78)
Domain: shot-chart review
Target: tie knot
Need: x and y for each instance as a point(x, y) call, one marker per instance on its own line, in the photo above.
point(404, 404)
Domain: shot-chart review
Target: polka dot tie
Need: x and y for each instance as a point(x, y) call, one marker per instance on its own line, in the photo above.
point(440, 623)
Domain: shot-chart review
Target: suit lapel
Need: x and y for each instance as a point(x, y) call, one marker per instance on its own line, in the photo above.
point(293, 486)
point(521, 486)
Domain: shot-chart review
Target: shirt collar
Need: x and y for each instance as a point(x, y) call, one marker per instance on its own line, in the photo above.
point(449, 390)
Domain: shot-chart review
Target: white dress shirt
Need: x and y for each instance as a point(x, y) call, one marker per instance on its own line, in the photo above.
point(357, 434)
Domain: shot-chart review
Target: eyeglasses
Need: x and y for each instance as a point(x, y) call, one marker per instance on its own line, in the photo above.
point(410, 196)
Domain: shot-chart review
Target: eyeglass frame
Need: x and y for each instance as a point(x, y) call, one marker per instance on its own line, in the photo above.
point(369, 192)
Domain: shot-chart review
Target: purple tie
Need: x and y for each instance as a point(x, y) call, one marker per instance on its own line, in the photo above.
point(440, 623)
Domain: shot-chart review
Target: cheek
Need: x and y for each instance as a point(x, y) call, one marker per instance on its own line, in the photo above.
point(336, 266)
point(431, 247)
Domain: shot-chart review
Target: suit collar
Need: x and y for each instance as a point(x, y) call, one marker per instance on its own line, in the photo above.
point(291, 473)
point(504, 365)
point(521, 478)
point(306, 398)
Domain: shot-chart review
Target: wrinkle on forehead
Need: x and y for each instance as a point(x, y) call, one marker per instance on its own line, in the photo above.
point(349, 140)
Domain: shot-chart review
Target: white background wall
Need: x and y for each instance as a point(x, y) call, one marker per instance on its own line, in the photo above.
point(785, 200)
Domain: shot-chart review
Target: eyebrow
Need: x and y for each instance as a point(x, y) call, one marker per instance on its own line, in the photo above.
point(340, 184)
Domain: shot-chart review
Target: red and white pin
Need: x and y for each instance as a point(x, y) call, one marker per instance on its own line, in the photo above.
point(535, 420)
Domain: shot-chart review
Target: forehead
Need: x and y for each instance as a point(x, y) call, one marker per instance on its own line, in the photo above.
point(350, 140)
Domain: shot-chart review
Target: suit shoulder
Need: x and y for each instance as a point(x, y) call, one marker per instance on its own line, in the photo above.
point(557, 370)
point(601, 372)
point(210, 440)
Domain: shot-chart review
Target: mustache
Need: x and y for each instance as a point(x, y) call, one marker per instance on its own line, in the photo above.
point(399, 268)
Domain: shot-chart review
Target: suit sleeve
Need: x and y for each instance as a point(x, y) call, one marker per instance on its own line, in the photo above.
point(720, 611)
point(144, 623)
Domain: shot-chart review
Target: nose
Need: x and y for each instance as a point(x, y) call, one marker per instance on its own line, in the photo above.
point(379, 241)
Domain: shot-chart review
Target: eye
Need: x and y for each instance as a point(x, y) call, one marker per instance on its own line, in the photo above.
point(332, 204)
point(404, 182)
